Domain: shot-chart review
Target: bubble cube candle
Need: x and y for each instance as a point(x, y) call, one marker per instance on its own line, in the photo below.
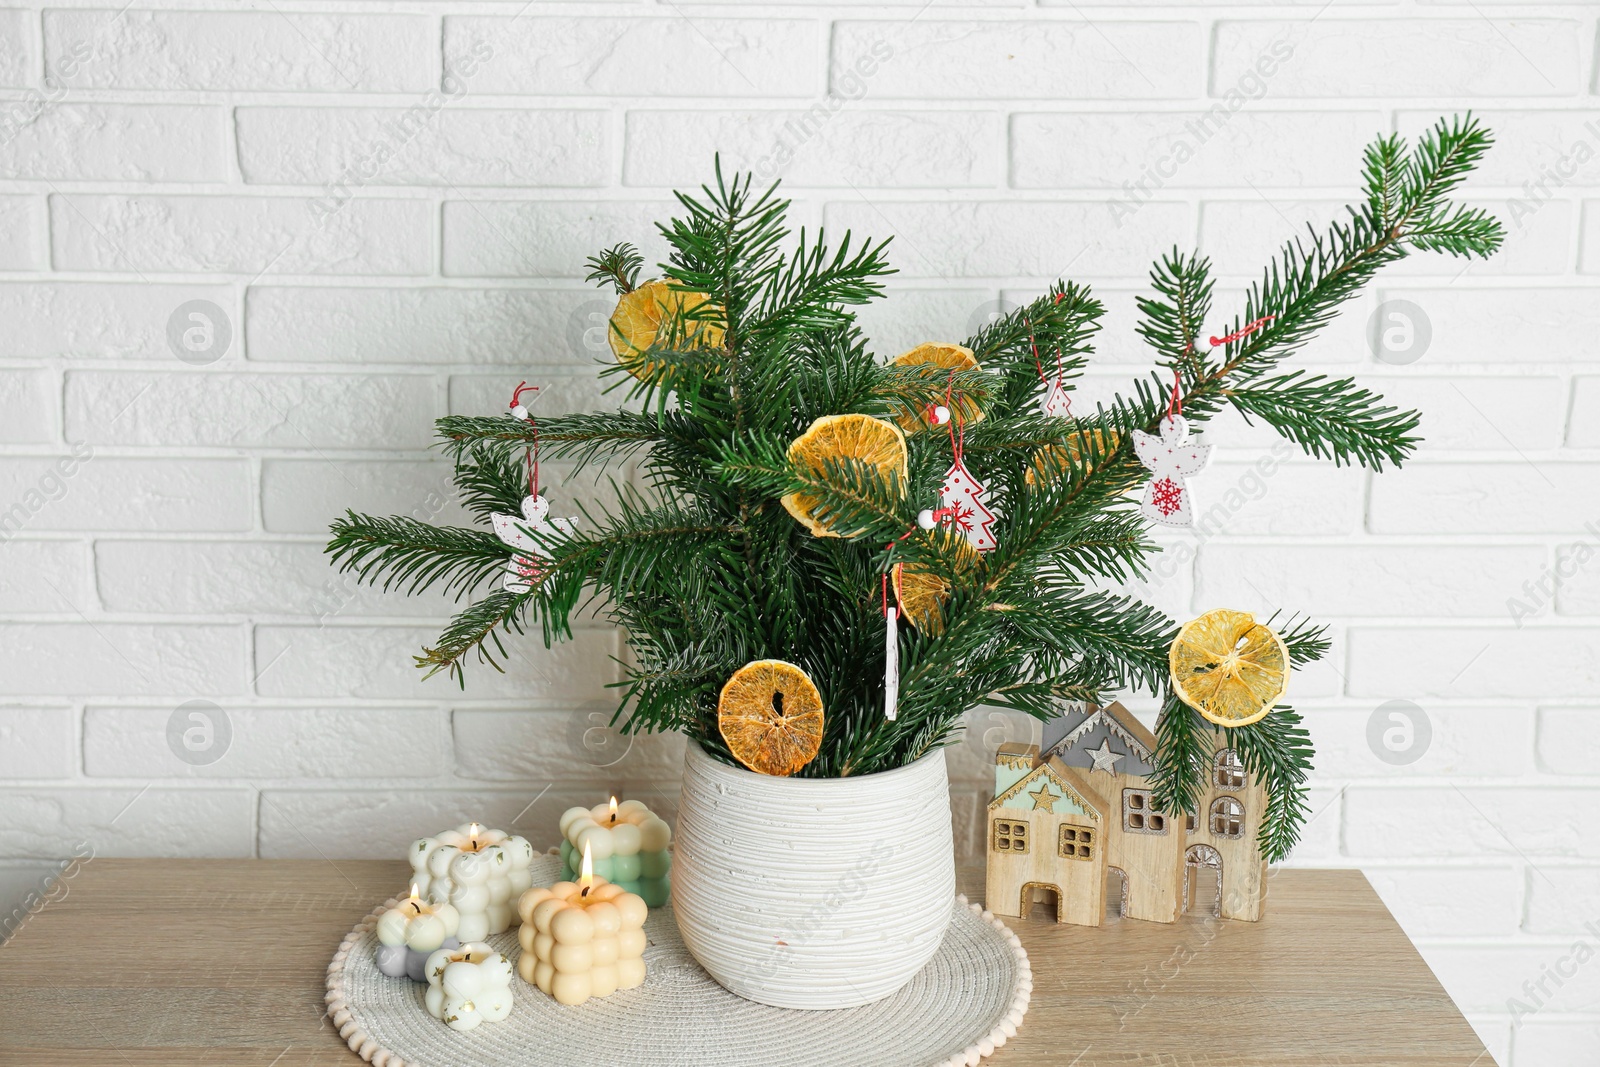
point(410, 932)
point(582, 939)
point(467, 986)
point(629, 844)
point(479, 872)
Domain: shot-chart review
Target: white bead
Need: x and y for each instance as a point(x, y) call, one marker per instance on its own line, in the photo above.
point(925, 518)
point(519, 412)
point(941, 415)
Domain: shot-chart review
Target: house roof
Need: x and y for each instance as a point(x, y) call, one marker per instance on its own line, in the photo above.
point(1071, 786)
point(1110, 733)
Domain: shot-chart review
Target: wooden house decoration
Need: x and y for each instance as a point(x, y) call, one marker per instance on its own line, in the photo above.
point(1046, 834)
point(1068, 814)
point(1221, 836)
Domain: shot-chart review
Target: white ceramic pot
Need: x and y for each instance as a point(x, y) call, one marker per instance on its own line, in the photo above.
point(813, 892)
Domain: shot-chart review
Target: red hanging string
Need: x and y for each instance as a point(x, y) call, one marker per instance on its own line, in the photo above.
point(1242, 332)
point(958, 426)
point(1175, 404)
point(1039, 366)
point(1035, 346)
point(957, 438)
point(531, 454)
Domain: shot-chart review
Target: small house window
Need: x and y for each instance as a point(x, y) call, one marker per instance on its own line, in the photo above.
point(1010, 836)
point(1188, 822)
point(1227, 817)
point(1077, 843)
point(1139, 815)
point(1230, 770)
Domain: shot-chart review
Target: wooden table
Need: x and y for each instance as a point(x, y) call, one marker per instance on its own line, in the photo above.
point(221, 962)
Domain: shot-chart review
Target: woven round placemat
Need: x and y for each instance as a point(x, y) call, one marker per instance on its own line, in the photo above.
point(959, 1008)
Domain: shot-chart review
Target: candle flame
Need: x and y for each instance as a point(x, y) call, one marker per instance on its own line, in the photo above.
point(586, 872)
point(613, 809)
point(415, 905)
point(414, 893)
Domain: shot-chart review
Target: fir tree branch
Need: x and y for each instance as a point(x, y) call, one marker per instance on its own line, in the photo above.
point(847, 494)
point(492, 481)
point(1276, 751)
point(587, 438)
point(1462, 232)
point(403, 553)
point(1172, 324)
point(1383, 172)
point(1330, 418)
point(808, 289)
point(1115, 639)
point(1183, 759)
point(1443, 158)
point(1112, 548)
point(476, 629)
point(1306, 641)
point(726, 246)
point(908, 392)
point(1045, 339)
point(1302, 289)
point(617, 266)
point(633, 540)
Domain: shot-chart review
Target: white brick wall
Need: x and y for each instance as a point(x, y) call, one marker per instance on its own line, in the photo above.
point(385, 207)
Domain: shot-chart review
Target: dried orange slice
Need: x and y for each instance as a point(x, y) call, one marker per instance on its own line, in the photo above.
point(1051, 461)
point(639, 318)
point(770, 714)
point(1228, 667)
point(921, 594)
point(939, 358)
point(835, 437)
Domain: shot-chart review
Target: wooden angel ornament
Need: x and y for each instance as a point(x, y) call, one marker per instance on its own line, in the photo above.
point(526, 568)
point(1171, 458)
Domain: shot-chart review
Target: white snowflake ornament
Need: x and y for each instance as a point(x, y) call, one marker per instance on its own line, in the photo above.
point(1171, 458)
point(962, 496)
point(523, 571)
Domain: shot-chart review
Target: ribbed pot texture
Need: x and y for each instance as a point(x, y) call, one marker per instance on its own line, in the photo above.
point(813, 892)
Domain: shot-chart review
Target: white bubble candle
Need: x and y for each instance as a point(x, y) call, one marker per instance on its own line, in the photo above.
point(410, 932)
point(468, 986)
point(478, 871)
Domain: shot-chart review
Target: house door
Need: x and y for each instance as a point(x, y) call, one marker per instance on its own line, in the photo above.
point(1116, 877)
point(1034, 893)
point(1200, 858)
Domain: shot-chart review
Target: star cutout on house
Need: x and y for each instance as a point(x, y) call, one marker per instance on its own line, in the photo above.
point(1104, 758)
point(1043, 799)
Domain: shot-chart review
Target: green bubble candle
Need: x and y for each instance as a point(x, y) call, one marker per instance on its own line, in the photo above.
point(628, 843)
